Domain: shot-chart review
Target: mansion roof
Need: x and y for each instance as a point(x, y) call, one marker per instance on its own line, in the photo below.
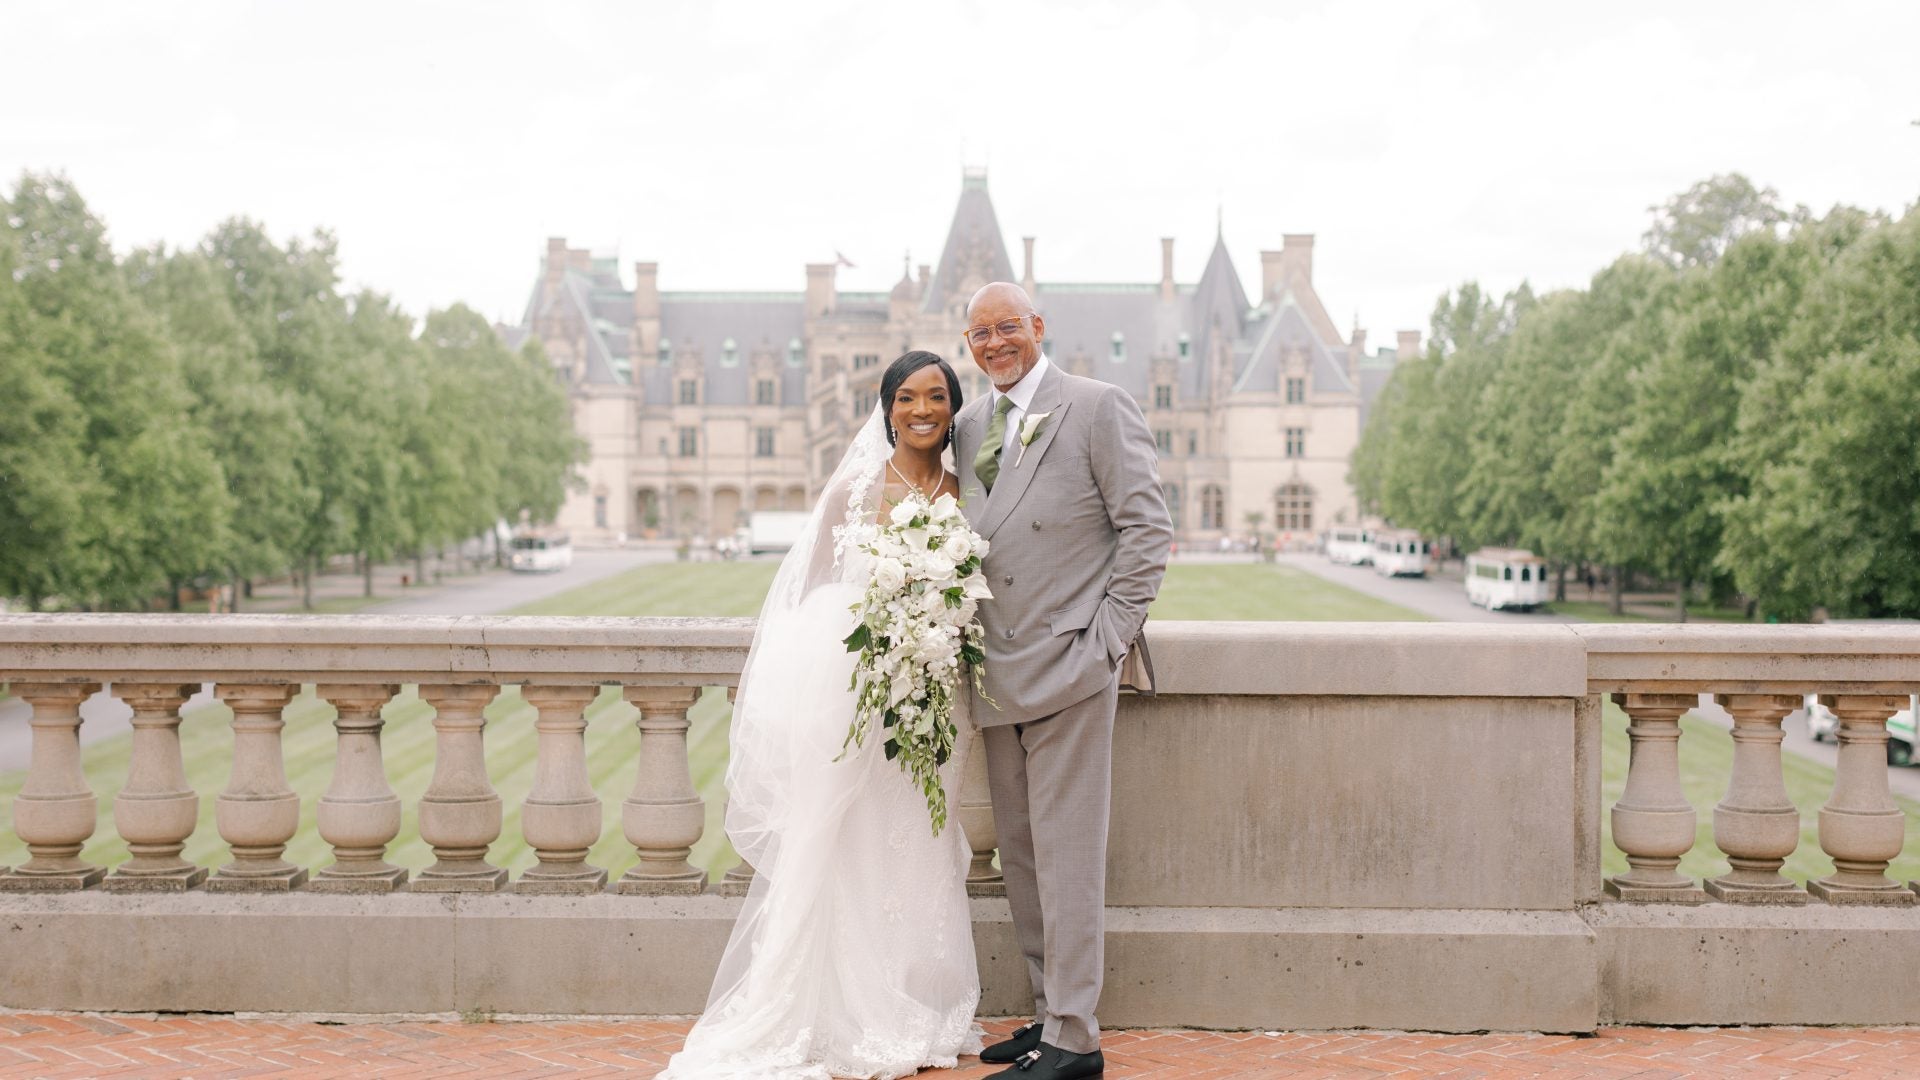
point(1115, 332)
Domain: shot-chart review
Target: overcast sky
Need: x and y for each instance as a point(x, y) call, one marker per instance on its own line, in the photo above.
point(1425, 143)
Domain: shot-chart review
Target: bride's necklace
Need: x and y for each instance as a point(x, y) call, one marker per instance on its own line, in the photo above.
point(911, 486)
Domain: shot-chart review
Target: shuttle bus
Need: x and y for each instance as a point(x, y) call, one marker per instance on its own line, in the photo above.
point(1350, 544)
point(1506, 578)
point(541, 550)
point(1400, 551)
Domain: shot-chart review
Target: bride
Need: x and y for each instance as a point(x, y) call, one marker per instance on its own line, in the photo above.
point(853, 954)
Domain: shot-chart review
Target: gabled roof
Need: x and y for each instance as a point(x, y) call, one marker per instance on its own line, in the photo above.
point(974, 247)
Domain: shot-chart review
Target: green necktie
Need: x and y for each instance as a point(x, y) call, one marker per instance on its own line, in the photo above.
point(986, 461)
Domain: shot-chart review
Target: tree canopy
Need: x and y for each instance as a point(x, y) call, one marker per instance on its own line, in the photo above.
point(1736, 407)
point(219, 413)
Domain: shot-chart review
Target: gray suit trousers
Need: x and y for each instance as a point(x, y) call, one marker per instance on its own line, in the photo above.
point(1052, 781)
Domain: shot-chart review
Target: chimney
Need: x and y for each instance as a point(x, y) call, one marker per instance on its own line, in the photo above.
point(646, 290)
point(1271, 275)
point(1296, 257)
point(820, 290)
point(1356, 350)
point(580, 259)
point(646, 310)
point(926, 277)
point(1408, 347)
point(556, 259)
point(1026, 273)
point(1166, 268)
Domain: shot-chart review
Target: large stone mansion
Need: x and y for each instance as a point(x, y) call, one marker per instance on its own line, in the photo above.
point(699, 407)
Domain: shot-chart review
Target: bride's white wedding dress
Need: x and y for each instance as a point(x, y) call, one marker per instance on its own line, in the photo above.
point(853, 954)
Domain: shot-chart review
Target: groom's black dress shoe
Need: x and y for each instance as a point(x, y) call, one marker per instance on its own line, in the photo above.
point(1046, 1062)
point(1024, 1041)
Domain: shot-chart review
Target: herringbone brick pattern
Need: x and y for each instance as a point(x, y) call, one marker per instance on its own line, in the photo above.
point(79, 1045)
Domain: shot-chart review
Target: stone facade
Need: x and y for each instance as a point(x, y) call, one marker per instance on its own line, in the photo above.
point(701, 407)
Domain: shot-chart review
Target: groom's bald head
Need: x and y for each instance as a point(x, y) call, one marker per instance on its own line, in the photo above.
point(1004, 332)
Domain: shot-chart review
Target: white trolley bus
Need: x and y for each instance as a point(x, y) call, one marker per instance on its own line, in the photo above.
point(1400, 551)
point(1350, 544)
point(1506, 578)
point(541, 550)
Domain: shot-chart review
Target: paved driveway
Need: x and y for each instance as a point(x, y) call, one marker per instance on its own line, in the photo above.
point(1438, 598)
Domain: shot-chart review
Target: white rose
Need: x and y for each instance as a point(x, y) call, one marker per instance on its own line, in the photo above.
point(959, 545)
point(889, 574)
point(904, 512)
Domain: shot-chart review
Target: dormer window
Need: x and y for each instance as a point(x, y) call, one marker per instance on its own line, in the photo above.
point(666, 351)
point(1186, 345)
point(729, 354)
point(796, 354)
point(1119, 347)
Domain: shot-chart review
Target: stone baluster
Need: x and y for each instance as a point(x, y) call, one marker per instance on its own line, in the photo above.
point(359, 815)
point(976, 820)
point(561, 817)
point(1653, 823)
point(460, 813)
point(1860, 827)
point(257, 813)
point(157, 810)
point(1757, 825)
point(664, 816)
point(739, 877)
point(55, 811)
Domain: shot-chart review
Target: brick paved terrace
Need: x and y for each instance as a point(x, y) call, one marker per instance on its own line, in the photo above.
point(89, 1045)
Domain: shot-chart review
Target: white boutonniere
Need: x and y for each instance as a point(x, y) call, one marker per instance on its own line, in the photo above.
point(1029, 427)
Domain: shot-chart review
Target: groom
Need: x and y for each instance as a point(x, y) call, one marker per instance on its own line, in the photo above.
point(1059, 474)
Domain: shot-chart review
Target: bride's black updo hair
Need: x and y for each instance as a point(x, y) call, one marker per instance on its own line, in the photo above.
point(897, 373)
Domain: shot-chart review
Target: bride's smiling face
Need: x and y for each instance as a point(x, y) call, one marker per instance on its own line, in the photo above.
point(922, 410)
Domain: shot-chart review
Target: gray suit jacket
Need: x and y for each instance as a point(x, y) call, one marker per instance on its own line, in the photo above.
point(1078, 534)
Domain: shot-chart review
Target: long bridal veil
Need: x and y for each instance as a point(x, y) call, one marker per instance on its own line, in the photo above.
point(852, 952)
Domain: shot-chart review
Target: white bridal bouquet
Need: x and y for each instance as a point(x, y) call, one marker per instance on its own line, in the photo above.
point(916, 628)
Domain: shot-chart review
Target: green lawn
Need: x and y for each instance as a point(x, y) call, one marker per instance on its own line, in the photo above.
point(1265, 593)
point(1241, 591)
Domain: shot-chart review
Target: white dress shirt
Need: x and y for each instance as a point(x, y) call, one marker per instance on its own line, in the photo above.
point(1022, 394)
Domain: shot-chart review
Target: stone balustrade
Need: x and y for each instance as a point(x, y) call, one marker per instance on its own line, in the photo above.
point(1325, 825)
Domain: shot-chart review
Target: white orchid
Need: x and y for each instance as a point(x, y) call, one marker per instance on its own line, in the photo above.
point(916, 628)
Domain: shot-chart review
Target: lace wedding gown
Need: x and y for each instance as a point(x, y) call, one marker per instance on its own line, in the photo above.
point(853, 954)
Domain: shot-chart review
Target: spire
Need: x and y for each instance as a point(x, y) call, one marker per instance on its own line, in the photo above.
point(974, 253)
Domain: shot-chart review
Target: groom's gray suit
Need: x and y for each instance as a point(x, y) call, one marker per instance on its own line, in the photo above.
point(1078, 536)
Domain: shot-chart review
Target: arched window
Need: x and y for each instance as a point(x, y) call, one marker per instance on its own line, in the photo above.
point(1186, 346)
point(1119, 346)
point(796, 354)
point(1173, 504)
point(1213, 507)
point(1293, 508)
point(666, 351)
point(729, 353)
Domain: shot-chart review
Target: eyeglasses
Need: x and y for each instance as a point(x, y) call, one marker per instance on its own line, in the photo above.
point(980, 335)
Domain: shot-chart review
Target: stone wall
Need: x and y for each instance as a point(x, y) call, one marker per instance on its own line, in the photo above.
point(1314, 826)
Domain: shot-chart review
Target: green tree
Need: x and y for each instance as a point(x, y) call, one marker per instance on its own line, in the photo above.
point(163, 514)
point(253, 423)
point(1827, 439)
point(1699, 225)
